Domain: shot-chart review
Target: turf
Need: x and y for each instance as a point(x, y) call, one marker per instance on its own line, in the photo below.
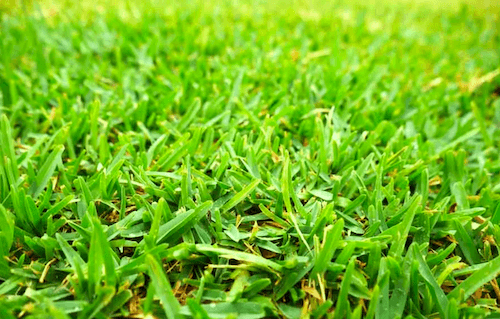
point(249, 160)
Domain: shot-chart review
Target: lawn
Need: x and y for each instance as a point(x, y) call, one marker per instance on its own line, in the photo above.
point(249, 159)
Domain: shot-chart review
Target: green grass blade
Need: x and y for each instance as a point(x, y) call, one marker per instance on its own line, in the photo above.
point(341, 307)
point(46, 171)
point(486, 273)
point(240, 196)
point(163, 289)
point(431, 282)
point(331, 242)
point(180, 223)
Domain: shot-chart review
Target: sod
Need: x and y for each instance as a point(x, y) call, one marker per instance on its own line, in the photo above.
point(238, 159)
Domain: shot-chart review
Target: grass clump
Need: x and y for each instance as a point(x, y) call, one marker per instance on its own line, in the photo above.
point(249, 160)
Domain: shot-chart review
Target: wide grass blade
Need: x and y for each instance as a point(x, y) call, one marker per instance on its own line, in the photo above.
point(175, 227)
point(331, 242)
point(162, 288)
point(425, 272)
point(240, 195)
point(486, 273)
point(46, 171)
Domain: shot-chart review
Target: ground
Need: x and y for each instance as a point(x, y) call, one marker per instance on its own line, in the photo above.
point(249, 159)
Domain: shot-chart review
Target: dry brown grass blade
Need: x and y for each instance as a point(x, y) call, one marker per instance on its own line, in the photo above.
point(477, 82)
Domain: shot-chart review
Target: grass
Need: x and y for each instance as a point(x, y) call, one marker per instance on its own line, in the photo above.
point(249, 160)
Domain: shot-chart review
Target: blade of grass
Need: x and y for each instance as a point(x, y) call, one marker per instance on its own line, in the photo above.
point(467, 287)
point(163, 289)
point(240, 196)
point(46, 171)
point(436, 291)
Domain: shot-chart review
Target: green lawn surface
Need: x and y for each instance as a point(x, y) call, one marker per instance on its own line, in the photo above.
point(249, 159)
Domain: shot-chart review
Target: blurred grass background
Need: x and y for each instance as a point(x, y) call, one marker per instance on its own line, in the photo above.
point(430, 23)
point(128, 9)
